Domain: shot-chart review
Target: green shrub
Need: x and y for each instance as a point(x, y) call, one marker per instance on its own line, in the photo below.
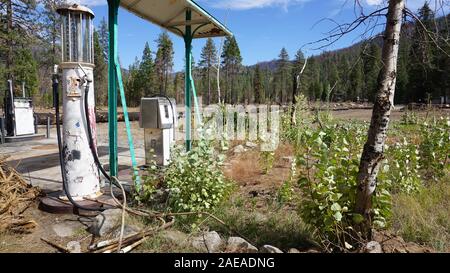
point(328, 163)
point(401, 169)
point(409, 118)
point(195, 179)
point(435, 148)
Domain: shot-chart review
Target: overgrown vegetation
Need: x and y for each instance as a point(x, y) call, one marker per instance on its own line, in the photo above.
point(327, 163)
point(194, 179)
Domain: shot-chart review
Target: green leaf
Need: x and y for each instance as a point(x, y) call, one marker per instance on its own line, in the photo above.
point(338, 216)
point(358, 218)
point(336, 207)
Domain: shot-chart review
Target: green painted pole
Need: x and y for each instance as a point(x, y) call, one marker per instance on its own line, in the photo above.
point(113, 10)
point(196, 104)
point(187, 92)
point(128, 126)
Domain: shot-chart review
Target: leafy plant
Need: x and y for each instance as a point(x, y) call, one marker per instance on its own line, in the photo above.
point(286, 193)
point(195, 178)
point(435, 148)
point(328, 161)
point(401, 169)
point(409, 118)
point(151, 180)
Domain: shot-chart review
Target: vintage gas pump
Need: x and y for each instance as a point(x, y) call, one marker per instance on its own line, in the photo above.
point(80, 169)
point(159, 120)
point(19, 122)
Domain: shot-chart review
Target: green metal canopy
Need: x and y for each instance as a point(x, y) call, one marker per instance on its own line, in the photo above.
point(184, 18)
point(171, 14)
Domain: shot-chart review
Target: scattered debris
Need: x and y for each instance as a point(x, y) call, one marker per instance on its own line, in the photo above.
point(129, 242)
point(269, 249)
point(16, 195)
point(208, 242)
point(239, 245)
point(55, 245)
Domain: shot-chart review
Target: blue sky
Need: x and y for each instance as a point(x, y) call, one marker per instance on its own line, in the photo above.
point(261, 27)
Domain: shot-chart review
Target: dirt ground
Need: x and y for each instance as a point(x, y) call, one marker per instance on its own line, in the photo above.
point(243, 168)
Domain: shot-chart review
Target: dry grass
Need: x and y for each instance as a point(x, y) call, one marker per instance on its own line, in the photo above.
point(244, 167)
point(424, 218)
point(16, 195)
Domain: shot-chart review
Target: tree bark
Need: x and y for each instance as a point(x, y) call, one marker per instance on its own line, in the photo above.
point(10, 44)
point(373, 152)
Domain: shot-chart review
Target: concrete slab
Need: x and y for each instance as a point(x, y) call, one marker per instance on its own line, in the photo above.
point(38, 160)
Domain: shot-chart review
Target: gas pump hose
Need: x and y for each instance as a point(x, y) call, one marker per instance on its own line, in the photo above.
point(91, 139)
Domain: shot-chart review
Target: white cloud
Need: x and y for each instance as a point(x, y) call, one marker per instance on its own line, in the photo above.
point(374, 2)
point(252, 4)
point(89, 3)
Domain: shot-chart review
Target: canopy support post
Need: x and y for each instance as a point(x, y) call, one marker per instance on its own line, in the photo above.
point(113, 10)
point(188, 79)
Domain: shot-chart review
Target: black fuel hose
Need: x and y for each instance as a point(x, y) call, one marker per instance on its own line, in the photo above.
point(90, 136)
point(91, 139)
point(60, 146)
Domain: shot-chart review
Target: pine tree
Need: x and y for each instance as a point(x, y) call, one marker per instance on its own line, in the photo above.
point(207, 60)
point(133, 83)
point(25, 70)
point(232, 63)
point(100, 72)
point(20, 28)
point(51, 33)
point(421, 58)
point(103, 33)
point(147, 72)
point(356, 82)
point(283, 76)
point(258, 86)
point(371, 67)
point(164, 61)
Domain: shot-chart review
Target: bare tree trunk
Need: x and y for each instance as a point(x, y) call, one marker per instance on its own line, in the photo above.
point(209, 84)
point(296, 87)
point(373, 152)
point(9, 26)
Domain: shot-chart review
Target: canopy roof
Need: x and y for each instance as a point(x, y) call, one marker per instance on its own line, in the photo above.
point(171, 15)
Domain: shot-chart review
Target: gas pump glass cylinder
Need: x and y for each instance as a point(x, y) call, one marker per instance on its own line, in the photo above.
point(77, 34)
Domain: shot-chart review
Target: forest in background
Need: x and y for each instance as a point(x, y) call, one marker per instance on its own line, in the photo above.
point(29, 48)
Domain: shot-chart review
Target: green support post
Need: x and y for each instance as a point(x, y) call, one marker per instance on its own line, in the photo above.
point(113, 8)
point(187, 93)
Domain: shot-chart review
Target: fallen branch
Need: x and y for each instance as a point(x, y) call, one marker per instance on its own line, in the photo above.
point(55, 245)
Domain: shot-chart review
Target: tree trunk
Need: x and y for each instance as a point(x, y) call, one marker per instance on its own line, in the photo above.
point(374, 148)
point(209, 84)
point(9, 30)
point(294, 98)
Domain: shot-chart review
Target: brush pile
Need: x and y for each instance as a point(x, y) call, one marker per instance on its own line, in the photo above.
point(16, 195)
